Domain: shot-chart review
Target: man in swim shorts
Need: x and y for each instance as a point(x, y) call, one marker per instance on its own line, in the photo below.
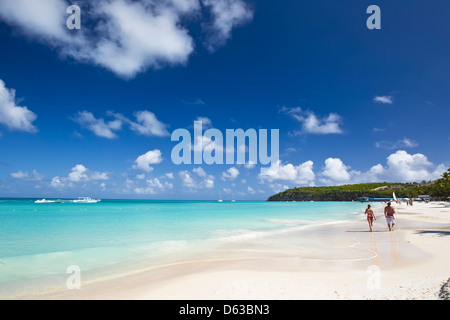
point(389, 214)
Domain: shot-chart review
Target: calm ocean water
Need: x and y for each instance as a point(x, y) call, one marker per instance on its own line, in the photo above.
point(43, 239)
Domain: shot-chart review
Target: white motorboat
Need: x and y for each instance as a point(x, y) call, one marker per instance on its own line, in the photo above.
point(45, 201)
point(85, 200)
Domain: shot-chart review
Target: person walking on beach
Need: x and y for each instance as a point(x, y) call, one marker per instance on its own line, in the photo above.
point(389, 214)
point(370, 216)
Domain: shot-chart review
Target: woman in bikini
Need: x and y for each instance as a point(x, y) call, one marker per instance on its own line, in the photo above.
point(370, 216)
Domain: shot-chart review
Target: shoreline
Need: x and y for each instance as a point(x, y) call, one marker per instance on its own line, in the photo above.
point(332, 261)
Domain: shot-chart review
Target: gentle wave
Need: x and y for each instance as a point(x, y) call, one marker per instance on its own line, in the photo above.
point(36, 265)
point(238, 234)
point(290, 221)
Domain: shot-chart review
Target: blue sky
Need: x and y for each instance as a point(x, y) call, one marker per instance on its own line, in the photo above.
point(91, 111)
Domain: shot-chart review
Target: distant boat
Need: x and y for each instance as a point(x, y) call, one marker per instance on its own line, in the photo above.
point(45, 201)
point(85, 200)
point(220, 198)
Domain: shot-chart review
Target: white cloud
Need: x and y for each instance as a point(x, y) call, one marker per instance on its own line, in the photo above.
point(98, 126)
point(19, 175)
point(140, 176)
point(208, 182)
point(44, 19)
point(407, 168)
point(399, 144)
point(230, 174)
point(154, 186)
point(147, 124)
point(377, 170)
point(189, 181)
point(185, 5)
point(301, 174)
point(12, 116)
point(250, 190)
point(313, 124)
point(278, 187)
point(170, 175)
point(336, 170)
point(227, 15)
point(206, 122)
point(327, 125)
point(126, 37)
point(144, 161)
point(199, 171)
point(57, 182)
point(250, 164)
point(376, 173)
point(137, 37)
point(35, 176)
point(79, 173)
point(99, 176)
point(384, 99)
point(128, 186)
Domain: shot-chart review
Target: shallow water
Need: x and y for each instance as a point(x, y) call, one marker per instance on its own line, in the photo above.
point(40, 240)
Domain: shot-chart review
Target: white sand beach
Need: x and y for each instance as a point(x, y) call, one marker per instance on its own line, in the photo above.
point(332, 261)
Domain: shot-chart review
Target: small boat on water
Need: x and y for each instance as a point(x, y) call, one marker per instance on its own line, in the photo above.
point(45, 201)
point(85, 200)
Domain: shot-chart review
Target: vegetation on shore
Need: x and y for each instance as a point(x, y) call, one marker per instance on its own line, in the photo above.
point(438, 189)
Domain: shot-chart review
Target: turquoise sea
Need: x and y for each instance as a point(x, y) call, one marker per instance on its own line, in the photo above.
point(40, 240)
